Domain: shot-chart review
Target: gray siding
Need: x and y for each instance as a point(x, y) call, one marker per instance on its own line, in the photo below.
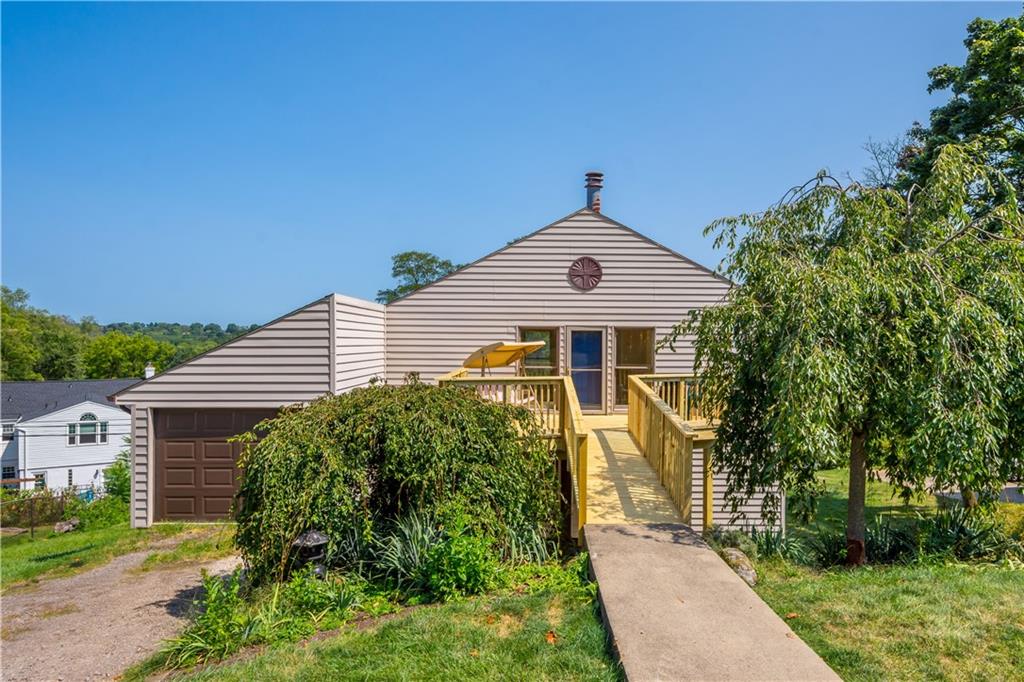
point(140, 468)
point(525, 284)
point(285, 362)
point(750, 513)
point(358, 330)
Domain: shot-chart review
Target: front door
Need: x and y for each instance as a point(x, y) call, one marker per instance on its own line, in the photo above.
point(586, 366)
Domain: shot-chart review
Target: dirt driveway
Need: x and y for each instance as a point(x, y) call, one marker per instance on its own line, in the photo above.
point(95, 624)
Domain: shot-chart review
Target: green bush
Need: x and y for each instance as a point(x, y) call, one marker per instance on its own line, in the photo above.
point(827, 547)
point(886, 542)
point(117, 478)
point(463, 564)
point(102, 512)
point(966, 535)
point(350, 465)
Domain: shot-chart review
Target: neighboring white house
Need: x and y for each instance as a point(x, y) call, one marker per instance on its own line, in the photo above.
point(60, 433)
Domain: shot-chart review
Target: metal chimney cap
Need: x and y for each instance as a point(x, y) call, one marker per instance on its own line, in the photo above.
point(594, 179)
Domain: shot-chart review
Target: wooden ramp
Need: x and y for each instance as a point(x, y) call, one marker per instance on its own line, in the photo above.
point(621, 486)
point(674, 609)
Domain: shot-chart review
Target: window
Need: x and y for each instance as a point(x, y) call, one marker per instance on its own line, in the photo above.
point(8, 431)
point(544, 361)
point(71, 477)
point(40, 480)
point(9, 474)
point(634, 354)
point(88, 431)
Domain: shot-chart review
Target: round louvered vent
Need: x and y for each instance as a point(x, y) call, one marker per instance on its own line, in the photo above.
point(585, 273)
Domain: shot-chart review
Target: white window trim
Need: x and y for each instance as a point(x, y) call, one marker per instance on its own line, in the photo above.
point(35, 483)
point(7, 431)
point(74, 432)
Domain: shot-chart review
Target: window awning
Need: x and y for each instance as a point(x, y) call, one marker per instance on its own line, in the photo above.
point(500, 354)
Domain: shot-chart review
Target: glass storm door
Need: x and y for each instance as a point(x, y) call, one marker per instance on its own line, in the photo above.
point(587, 366)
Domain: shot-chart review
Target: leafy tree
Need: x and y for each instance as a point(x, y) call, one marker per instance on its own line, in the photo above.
point(35, 344)
point(987, 107)
point(874, 328)
point(414, 270)
point(18, 353)
point(116, 354)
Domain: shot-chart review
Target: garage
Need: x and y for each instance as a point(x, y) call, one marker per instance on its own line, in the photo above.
point(196, 467)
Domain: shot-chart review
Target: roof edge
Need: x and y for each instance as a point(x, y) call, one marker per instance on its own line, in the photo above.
point(329, 298)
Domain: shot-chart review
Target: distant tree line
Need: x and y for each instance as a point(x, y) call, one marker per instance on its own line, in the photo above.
point(36, 344)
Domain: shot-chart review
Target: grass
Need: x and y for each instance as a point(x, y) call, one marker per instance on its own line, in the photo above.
point(925, 620)
point(202, 543)
point(949, 622)
point(541, 636)
point(881, 498)
point(50, 555)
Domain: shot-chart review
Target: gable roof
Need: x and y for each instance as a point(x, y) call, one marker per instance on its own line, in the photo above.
point(582, 211)
point(24, 400)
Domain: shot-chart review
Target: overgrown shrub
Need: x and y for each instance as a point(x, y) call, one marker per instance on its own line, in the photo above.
point(101, 512)
point(463, 564)
point(351, 464)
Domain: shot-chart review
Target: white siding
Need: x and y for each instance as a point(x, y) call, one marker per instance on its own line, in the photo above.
point(525, 285)
point(42, 446)
point(358, 330)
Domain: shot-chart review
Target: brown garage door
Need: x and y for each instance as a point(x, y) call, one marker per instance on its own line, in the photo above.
point(196, 466)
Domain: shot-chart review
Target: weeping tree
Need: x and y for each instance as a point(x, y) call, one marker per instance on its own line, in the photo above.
point(874, 329)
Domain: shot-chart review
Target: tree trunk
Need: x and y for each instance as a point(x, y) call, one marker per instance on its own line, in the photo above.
point(968, 498)
point(855, 523)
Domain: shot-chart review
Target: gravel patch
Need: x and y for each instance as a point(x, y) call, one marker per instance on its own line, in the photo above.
point(93, 625)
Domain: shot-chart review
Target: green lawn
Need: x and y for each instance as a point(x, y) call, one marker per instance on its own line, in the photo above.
point(48, 555)
point(913, 622)
point(936, 622)
point(881, 499)
point(485, 638)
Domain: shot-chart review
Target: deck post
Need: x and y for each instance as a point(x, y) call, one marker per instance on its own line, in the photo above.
point(709, 485)
point(686, 499)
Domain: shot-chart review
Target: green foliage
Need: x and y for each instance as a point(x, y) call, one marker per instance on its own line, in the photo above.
point(986, 107)
point(967, 535)
point(117, 477)
point(352, 464)
point(230, 616)
point(463, 564)
point(118, 355)
point(102, 512)
point(777, 544)
point(888, 542)
point(827, 547)
point(870, 322)
point(36, 345)
point(719, 538)
point(414, 270)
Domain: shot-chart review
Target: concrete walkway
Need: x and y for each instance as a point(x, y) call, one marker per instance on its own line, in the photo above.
point(676, 611)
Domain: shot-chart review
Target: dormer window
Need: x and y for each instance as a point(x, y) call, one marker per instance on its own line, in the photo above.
point(87, 431)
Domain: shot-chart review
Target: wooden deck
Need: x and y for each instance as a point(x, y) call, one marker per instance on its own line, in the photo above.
point(622, 488)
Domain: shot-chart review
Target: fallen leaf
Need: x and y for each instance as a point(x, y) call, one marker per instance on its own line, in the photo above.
point(474, 653)
point(551, 637)
point(792, 614)
point(491, 619)
point(790, 635)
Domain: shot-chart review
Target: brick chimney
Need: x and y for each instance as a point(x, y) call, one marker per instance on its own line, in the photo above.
point(595, 180)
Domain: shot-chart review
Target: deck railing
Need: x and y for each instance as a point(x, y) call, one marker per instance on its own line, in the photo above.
point(666, 424)
point(553, 400)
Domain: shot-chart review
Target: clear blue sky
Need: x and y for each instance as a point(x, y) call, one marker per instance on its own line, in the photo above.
point(228, 163)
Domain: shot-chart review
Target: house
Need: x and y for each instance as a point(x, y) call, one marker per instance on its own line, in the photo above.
point(59, 434)
point(599, 293)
